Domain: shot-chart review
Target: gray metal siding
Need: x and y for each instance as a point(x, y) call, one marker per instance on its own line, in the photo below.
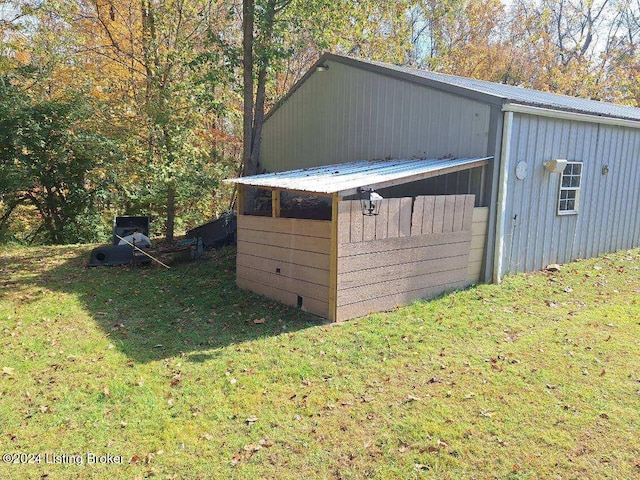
point(346, 114)
point(608, 218)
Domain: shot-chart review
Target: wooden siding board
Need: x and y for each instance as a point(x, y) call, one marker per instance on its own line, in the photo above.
point(357, 225)
point(406, 207)
point(395, 272)
point(369, 227)
point(308, 304)
point(294, 242)
point(382, 221)
point(391, 244)
point(390, 302)
point(292, 285)
point(438, 214)
point(416, 218)
point(427, 214)
point(298, 257)
point(398, 257)
point(467, 221)
point(449, 212)
point(344, 222)
point(308, 228)
point(300, 272)
point(393, 224)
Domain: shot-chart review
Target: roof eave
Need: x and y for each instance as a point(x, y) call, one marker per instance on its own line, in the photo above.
point(569, 115)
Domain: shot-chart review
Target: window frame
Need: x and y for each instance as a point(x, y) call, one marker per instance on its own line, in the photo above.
point(575, 197)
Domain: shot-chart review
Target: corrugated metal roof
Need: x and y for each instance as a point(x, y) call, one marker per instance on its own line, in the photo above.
point(497, 92)
point(345, 178)
point(524, 96)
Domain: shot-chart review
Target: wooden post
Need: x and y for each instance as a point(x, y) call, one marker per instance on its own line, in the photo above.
point(240, 200)
point(275, 203)
point(333, 260)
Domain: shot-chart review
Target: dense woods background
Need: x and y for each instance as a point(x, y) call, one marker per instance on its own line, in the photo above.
point(141, 107)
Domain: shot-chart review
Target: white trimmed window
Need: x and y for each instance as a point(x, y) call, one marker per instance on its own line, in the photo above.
point(569, 196)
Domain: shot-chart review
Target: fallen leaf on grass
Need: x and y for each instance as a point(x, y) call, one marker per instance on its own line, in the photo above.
point(259, 321)
point(206, 436)
point(422, 467)
point(8, 371)
point(251, 420)
point(265, 443)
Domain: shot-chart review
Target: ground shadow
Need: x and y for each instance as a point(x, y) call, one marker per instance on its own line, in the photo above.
point(152, 313)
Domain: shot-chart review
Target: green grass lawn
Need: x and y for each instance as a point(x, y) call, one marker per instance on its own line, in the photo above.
point(179, 374)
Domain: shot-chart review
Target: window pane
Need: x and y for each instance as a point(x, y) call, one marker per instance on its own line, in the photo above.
point(566, 181)
point(571, 205)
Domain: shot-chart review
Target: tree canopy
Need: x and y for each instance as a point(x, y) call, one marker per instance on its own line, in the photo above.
point(120, 107)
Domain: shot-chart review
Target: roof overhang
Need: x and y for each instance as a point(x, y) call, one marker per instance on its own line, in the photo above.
point(566, 115)
point(346, 178)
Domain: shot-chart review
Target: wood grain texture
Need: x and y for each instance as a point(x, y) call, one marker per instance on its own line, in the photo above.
point(392, 301)
point(307, 228)
point(308, 304)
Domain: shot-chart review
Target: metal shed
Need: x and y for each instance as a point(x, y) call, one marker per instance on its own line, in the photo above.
point(583, 203)
point(353, 264)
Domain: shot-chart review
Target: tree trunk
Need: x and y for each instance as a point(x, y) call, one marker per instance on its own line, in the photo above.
point(171, 213)
point(248, 168)
point(258, 118)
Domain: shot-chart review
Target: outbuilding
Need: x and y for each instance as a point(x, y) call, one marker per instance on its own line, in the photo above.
point(516, 178)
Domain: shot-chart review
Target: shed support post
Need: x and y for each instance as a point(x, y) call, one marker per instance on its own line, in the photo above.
point(275, 203)
point(240, 199)
point(333, 260)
